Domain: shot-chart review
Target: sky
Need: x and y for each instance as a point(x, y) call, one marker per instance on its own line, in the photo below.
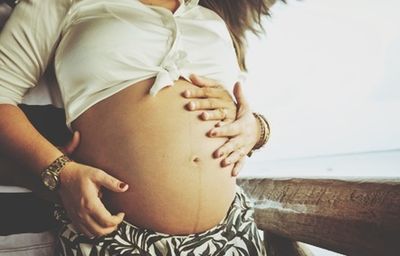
point(327, 75)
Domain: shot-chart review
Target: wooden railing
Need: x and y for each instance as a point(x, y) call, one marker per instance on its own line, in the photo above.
point(353, 217)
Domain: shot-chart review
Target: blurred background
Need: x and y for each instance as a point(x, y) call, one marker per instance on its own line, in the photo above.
point(326, 74)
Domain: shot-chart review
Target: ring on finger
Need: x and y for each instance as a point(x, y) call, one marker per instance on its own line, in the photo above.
point(240, 152)
point(223, 112)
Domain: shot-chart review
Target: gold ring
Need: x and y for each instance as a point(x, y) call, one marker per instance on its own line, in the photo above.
point(223, 112)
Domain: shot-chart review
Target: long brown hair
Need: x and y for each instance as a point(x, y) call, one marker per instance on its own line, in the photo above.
point(240, 16)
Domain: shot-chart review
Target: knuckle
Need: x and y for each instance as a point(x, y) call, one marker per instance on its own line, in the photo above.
point(196, 92)
point(219, 115)
point(229, 147)
point(207, 91)
point(98, 175)
point(212, 103)
point(223, 112)
point(236, 143)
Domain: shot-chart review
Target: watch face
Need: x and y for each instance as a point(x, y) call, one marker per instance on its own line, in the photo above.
point(50, 181)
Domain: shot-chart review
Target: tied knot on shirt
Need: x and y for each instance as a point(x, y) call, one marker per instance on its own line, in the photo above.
point(174, 64)
point(171, 70)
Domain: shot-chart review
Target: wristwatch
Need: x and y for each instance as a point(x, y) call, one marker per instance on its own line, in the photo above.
point(51, 175)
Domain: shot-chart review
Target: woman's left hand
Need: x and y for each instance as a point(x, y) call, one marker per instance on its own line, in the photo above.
point(212, 98)
point(243, 132)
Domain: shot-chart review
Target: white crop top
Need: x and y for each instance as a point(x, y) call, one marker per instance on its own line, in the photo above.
point(99, 47)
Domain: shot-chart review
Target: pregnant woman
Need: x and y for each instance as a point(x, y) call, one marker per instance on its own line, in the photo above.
point(122, 68)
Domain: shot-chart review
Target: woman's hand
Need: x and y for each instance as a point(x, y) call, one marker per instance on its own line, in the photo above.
point(80, 193)
point(243, 134)
point(211, 97)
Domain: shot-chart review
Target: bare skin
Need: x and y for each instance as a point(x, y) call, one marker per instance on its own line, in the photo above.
point(242, 132)
point(166, 159)
point(209, 98)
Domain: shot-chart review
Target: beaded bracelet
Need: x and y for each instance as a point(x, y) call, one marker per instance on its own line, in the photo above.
point(264, 132)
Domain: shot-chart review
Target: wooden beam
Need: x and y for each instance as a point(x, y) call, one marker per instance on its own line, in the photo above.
point(354, 217)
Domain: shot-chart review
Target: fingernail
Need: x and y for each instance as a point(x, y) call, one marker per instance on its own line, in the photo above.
point(235, 173)
point(192, 105)
point(227, 162)
point(123, 186)
point(204, 115)
point(213, 133)
point(218, 154)
point(186, 93)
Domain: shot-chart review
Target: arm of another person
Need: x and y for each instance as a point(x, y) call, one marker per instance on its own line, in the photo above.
point(27, 42)
point(12, 174)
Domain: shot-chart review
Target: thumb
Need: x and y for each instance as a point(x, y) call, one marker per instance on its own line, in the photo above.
point(73, 144)
point(242, 105)
point(106, 180)
point(239, 95)
point(203, 82)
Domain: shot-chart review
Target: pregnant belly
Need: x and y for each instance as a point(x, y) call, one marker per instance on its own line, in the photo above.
point(162, 152)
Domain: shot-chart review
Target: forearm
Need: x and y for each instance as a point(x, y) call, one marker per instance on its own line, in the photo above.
point(12, 174)
point(22, 143)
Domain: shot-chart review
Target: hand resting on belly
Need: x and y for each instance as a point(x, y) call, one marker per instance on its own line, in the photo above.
point(163, 152)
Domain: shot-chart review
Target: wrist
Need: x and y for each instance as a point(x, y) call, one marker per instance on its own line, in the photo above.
point(258, 131)
point(51, 175)
point(263, 132)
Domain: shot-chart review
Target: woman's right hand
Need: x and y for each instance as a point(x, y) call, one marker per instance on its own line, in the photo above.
point(80, 193)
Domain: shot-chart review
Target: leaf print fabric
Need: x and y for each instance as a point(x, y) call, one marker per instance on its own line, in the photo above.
point(236, 235)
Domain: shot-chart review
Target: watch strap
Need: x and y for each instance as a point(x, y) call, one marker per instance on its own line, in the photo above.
point(54, 170)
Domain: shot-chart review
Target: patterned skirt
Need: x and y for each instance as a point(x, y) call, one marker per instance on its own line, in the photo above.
point(236, 234)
